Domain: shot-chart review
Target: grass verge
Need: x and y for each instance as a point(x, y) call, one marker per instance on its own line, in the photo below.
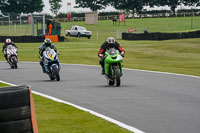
point(176, 56)
point(56, 117)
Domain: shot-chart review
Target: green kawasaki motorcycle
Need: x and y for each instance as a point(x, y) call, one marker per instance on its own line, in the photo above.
point(113, 66)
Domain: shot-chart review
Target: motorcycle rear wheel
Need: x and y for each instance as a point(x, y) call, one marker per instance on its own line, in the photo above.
point(13, 63)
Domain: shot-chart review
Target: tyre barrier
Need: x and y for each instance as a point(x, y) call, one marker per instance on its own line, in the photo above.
point(160, 35)
point(17, 111)
point(27, 39)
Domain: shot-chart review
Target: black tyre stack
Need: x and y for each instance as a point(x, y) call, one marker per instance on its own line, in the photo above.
point(15, 110)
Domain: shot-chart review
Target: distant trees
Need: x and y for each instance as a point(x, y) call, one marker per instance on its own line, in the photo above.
point(191, 2)
point(55, 6)
point(172, 4)
point(21, 6)
point(94, 5)
point(134, 5)
point(129, 5)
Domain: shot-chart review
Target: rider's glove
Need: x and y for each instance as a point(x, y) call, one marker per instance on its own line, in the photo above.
point(101, 55)
point(122, 53)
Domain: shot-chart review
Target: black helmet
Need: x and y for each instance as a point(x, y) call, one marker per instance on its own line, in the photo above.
point(110, 40)
point(47, 42)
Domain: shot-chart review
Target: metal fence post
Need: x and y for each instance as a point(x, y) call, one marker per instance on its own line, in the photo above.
point(32, 25)
point(43, 25)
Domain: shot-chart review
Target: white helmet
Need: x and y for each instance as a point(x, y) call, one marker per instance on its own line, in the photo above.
point(8, 41)
point(110, 40)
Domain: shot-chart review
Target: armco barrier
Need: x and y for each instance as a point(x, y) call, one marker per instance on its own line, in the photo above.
point(17, 112)
point(27, 39)
point(160, 35)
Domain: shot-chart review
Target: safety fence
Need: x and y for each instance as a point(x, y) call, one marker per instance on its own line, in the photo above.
point(13, 24)
point(134, 16)
point(27, 39)
point(160, 36)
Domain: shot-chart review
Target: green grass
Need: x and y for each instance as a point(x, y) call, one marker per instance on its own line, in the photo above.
point(106, 28)
point(56, 117)
point(3, 85)
point(176, 56)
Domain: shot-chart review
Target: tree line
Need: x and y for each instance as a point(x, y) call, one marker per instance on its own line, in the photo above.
point(28, 6)
point(134, 6)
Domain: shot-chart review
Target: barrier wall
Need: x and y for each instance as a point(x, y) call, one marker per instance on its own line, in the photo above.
point(27, 39)
point(160, 35)
point(17, 112)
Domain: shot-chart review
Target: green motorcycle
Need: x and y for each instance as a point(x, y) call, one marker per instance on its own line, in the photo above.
point(113, 66)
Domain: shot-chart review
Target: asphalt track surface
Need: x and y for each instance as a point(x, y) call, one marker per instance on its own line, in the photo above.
point(151, 102)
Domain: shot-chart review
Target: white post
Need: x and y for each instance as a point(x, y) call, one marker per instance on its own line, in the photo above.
point(20, 21)
point(32, 25)
point(15, 28)
point(43, 25)
point(9, 21)
point(97, 34)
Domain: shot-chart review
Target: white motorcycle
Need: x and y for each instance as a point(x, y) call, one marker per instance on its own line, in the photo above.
point(51, 64)
point(12, 59)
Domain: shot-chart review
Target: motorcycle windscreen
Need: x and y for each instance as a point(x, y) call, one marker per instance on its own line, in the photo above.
point(112, 51)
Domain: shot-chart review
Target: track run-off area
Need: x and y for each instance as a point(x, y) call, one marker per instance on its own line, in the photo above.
point(153, 102)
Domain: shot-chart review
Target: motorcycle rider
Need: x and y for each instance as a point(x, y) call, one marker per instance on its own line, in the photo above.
point(109, 43)
point(46, 43)
point(4, 48)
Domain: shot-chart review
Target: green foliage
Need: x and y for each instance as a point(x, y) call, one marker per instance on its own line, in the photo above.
point(173, 4)
point(133, 5)
point(191, 2)
point(55, 6)
point(94, 5)
point(21, 6)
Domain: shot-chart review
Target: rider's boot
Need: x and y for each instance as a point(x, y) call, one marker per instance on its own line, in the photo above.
point(6, 57)
point(43, 69)
point(102, 71)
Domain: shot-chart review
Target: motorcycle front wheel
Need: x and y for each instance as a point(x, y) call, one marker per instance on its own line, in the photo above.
point(56, 72)
point(13, 63)
point(117, 77)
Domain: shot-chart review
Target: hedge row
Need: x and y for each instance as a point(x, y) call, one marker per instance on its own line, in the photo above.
point(160, 36)
point(27, 39)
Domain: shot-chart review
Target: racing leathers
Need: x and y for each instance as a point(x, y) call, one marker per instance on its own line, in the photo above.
point(106, 46)
point(4, 48)
point(41, 50)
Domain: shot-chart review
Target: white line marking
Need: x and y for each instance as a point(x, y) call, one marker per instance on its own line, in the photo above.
point(149, 71)
point(131, 69)
point(130, 128)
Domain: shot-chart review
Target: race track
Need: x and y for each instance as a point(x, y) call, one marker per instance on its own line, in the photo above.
point(151, 102)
